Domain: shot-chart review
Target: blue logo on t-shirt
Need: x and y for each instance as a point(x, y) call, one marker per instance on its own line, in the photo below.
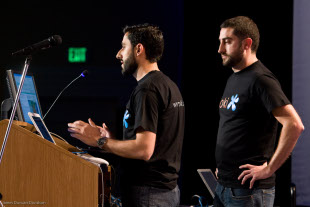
point(126, 116)
point(234, 99)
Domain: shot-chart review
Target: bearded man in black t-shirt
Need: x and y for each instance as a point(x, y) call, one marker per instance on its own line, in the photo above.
point(153, 125)
point(251, 106)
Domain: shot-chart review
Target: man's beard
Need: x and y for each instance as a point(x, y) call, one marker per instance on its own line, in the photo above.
point(233, 59)
point(129, 66)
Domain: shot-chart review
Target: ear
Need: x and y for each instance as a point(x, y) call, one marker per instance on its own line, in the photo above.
point(247, 43)
point(139, 49)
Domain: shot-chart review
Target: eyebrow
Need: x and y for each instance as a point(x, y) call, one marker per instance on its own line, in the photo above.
point(226, 38)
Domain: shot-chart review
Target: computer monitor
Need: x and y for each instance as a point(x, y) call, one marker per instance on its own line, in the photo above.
point(29, 99)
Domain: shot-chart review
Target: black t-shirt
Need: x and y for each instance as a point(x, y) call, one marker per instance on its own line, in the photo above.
point(156, 105)
point(247, 128)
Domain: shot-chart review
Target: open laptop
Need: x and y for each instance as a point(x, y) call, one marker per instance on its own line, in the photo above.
point(43, 131)
point(40, 126)
point(209, 180)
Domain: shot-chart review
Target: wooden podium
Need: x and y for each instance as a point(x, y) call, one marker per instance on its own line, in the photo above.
point(36, 172)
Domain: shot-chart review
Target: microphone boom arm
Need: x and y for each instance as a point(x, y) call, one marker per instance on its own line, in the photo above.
point(82, 74)
point(26, 66)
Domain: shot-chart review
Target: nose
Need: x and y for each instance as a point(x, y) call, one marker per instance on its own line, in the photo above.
point(221, 48)
point(118, 55)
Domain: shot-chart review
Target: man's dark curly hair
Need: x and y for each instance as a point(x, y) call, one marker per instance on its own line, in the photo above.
point(150, 37)
point(244, 27)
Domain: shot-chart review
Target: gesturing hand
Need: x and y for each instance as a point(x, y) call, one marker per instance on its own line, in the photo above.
point(104, 131)
point(88, 133)
point(255, 172)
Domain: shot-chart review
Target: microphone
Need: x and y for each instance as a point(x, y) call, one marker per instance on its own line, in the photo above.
point(83, 74)
point(45, 44)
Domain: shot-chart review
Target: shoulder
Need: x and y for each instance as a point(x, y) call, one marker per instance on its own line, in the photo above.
point(266, 80)
point(156, 81)
point(263, 76)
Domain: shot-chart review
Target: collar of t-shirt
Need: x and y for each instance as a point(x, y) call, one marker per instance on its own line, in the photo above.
point(147, 75)
point(247, 68)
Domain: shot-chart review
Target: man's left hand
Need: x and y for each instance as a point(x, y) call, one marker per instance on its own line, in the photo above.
point(254, 172)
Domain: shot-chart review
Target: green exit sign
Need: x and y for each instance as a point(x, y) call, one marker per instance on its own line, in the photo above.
point(77, 54)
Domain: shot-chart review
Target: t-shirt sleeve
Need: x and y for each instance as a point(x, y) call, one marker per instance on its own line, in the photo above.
point(270, 92)
point(146, 110)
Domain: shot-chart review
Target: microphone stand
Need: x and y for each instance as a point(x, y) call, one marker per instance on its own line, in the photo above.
point(8, 129)
point(26, 66)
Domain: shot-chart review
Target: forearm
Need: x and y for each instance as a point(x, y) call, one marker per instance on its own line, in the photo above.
point(127, 148)
point(287, 141)
point(292, 127)
point(142, 147)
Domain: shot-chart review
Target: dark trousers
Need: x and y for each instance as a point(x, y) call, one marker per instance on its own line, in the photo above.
point(146, 196)
point(238, 197)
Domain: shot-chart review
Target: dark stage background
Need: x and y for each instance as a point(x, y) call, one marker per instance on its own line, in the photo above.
point(191, 32)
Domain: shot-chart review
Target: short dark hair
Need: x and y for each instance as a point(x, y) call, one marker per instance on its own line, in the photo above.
point(244, 27)
point(150, 37)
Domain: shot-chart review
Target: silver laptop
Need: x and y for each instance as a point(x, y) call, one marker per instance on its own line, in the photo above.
point(209, 180)
point(40, 126)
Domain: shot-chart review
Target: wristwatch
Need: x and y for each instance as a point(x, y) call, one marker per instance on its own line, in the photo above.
point(101, 141)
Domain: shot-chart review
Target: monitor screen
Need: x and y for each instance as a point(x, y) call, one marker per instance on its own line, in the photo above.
point(29, 100)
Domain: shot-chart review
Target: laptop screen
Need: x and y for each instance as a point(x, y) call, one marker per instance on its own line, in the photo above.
point(209, 180)
point(40, 126)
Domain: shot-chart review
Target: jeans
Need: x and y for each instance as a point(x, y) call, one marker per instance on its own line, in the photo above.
point(233, 197)
point(146, 196)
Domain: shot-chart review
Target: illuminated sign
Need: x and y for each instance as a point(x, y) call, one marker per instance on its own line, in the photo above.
point(77, 54)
